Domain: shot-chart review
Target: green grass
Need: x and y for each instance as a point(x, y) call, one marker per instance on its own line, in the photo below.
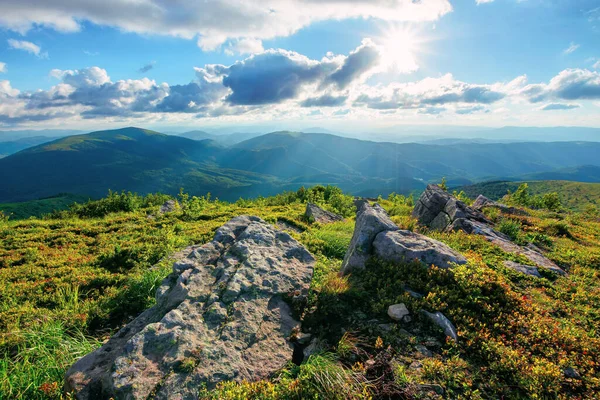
point(37, 208)
point(576, 196)
point(67, 283)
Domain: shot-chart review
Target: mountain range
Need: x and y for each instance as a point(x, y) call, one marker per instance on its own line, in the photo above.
point(145, 161)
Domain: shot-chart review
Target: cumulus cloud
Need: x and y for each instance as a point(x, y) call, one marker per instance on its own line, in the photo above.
point(572, 47)
point(596, 65)
point(361, 60)
point(147, 67)
point(214, 22)
point(570, 84)
point(245, 46)
point(271, 77)
point(431, 92)
point(483, 1)
point(3, 68)
point(326, 100)
point(28, 47)
point(559, 106)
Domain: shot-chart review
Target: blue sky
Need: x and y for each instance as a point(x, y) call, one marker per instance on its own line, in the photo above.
point(331, 63)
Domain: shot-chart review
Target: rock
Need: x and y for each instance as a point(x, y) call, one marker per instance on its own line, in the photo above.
point(525, 269)
point(303, 338)
point(370, 221)
point(287, 226)
point(316, 346)
point(413, 294)
point(376, 234)
point(220, 315)
point(426, 387)
point(398, 311)
point(359, 202)
point(168, 206)
point(315, 213)
point(440, 320)
point(438, 210)
point(481, 202)
point(423, 350)
point(406, 246)
point(571, 373)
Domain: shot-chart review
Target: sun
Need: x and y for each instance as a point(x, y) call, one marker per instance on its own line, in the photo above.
point(399, 47)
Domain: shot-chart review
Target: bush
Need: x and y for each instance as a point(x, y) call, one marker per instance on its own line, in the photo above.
point(511, 228)
point(113, 203)
point(522, 197)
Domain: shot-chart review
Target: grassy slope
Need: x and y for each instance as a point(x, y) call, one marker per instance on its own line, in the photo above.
point(573, 195)
point(37, 208)
point(68, 283)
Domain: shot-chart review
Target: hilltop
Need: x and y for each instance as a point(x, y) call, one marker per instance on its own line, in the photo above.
point(71, 280)
point(145, 161)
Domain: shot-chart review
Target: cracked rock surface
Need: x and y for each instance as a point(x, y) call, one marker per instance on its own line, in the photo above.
point(220, 315)
point(439, 210)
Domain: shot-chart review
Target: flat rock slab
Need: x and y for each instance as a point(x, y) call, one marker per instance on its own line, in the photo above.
point(221, 315)
point(407, 246)
point(315, 213)
point(439, 210)
point(524, 269)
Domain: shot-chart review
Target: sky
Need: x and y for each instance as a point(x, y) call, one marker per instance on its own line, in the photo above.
point(337, 64)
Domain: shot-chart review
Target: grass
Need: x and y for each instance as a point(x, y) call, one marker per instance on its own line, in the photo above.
point(67, 283)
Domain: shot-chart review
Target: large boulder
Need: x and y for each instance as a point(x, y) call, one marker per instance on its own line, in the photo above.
point(370, 221)
point(375, 234)
point(222, 314)
point(439, 210)
point(315, 213)
point(404, 245)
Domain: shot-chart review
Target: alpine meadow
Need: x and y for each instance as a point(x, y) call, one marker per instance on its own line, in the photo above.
point(290, 199)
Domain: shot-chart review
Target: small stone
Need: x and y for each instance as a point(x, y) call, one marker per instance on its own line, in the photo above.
point(168, 206)
point(440, 320)
point(407, 319)
point(317, 214)
point(432, 388)
point(303, 338)
point(398, 311)
point(413, 294)
point(424, 350)
point(386, 327)
point(416, 365)
point(571, 373)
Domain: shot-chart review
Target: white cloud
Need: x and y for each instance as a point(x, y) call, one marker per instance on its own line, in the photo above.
point(245, 46)
point(214, 22)
point(483, 1)
point(3, 68)
point(572, 47)
point(569, 84)
point(596, 65)
point(27, 46)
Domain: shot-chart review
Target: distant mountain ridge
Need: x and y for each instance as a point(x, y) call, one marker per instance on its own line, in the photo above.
point(147, 161)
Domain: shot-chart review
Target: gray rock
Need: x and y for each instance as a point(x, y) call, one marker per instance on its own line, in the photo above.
point(423, 350)
point(438, 210)
point(440, 320)
point(525, 269)
point(220, 315)
point(316, 346)
point(168, 206)
point(481, 202)
point(571, 373)
point(412, 293)
point(370, 221)
point(406, 246)
point(315, 213)
point(431, 387)
point(398, 311)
